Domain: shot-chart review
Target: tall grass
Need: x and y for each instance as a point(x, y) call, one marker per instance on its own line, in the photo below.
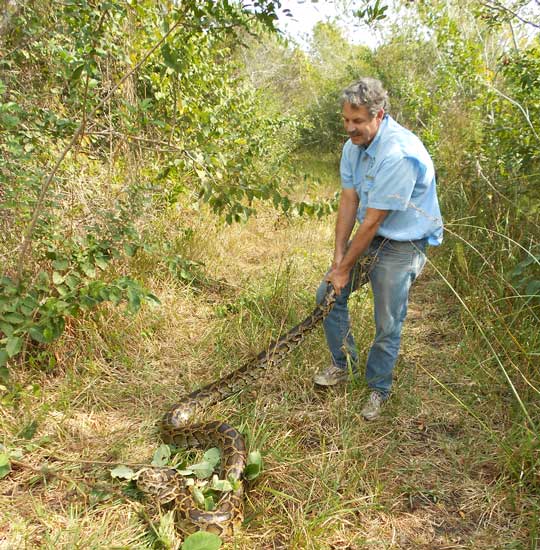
point(490, 264)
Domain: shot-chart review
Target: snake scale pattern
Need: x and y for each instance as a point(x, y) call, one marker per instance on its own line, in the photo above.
point(167, 485)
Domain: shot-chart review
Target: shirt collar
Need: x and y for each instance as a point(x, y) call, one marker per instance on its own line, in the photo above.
point(371, 149)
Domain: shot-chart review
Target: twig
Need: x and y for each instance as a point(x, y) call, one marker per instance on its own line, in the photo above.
point(499, 7)
point(502, 195)
point(106, 463)
point(517, 104)
point(42, 471)
point(514, 39)
point(135, 138)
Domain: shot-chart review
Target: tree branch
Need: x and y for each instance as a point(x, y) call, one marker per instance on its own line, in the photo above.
point(518, 105)
point(497, 6)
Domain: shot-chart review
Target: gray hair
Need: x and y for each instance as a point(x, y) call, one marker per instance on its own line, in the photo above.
point(368, 92)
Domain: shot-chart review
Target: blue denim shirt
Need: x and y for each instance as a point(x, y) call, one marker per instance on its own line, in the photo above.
point(396, 173)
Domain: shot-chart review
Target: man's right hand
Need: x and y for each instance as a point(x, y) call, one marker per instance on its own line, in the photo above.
point(338, 279)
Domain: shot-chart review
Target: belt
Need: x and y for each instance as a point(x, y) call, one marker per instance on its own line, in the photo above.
point(380, 239)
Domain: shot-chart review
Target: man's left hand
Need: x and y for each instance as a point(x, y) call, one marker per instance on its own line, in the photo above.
point(339, 279)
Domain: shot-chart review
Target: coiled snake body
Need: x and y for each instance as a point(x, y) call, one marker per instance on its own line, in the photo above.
point(167, 485)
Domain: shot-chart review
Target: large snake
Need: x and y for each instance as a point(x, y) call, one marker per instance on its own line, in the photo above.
point(167, 485)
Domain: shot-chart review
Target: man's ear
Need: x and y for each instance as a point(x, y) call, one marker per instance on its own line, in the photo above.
point(380, 114)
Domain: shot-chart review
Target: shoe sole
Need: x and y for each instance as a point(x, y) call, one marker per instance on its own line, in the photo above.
point(326, 384)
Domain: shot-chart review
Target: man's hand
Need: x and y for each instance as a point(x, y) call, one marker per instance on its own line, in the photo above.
point(344, 262)
point(339, 278)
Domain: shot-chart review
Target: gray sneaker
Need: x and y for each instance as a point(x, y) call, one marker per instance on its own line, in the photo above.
point(330, 376)
point(372, 408)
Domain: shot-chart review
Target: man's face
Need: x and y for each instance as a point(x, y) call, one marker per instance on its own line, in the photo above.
point(359, 124)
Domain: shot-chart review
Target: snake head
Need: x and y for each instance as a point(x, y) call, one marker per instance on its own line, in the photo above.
point(180, 414)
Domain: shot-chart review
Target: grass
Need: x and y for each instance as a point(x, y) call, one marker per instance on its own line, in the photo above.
point(427, 475)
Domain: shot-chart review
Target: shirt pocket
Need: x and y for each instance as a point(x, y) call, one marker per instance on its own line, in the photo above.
point(367, 184)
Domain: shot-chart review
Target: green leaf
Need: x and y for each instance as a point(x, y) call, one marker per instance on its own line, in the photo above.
point(202, 540)
point(29, 430)
point(61, 306)
point(13, 318)
point(187, 472)
point(26, 310)
point(76, 74)
point(161, 455)
point(4, 372)
point(63, 290)
point(14, 345)
point(9, 121)
point(169, 58)
point(130, 249)
point(87, 302)
point(213, 456)
point(152, 299)
point(209, 504)
point(57, 278)
point(6, 328)
point(202, 470)
point(53, 328)
point(122, 472)
point(198, 496)
point(72, 281)
point(235, 483)
point(5, 465)
point(222, 485)
point(9, 285)
point(30, 302)
point(88, 269)
point(101, 262)
point(36, 333)
point(252, 472)
point(254, 465)
point(60, 265)
point(48, 334)
point(17, 453)
point(134, 299)
point(254, 457)
point(48, 330)
point(115, 295)
point(43, 282)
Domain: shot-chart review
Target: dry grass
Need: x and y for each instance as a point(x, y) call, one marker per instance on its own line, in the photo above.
point(426, 476)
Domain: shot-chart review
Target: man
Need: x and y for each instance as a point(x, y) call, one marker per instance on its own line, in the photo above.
point(388, 186)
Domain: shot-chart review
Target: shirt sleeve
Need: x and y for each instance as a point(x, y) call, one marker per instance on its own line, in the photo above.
point(393, 184)
point(345, 169)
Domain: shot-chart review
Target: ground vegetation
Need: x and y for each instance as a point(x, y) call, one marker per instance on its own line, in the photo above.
point(167, 175)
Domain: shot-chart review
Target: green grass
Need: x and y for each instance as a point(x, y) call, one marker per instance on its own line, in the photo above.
point(433, 472)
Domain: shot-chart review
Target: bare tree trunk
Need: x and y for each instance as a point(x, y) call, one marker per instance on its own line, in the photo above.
point(133, 151)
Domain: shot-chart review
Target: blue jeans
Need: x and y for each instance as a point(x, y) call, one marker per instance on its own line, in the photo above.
point(391, 267)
